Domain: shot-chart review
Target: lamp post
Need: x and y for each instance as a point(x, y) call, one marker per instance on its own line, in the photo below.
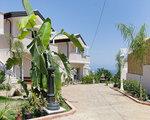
point(52, 104)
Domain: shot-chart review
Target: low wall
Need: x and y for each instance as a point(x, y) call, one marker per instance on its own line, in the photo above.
point(146, 77)
point(134, 77)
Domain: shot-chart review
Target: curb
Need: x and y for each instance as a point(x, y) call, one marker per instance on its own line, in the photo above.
point(58, 115)
point(132, 98)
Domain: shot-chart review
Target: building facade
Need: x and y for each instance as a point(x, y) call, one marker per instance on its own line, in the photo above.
point(9, 31)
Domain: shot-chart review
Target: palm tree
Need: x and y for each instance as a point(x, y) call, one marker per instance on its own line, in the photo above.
point(120, 63)
point(136, 41)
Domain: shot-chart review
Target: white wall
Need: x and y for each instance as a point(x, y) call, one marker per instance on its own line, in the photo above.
point(1, 23)
point(4, 55)
point(146, 77)
point(133, 76)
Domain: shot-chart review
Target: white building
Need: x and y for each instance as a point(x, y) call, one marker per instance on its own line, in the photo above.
point(8, 27)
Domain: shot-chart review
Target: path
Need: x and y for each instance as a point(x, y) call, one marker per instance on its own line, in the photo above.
point(99, 102)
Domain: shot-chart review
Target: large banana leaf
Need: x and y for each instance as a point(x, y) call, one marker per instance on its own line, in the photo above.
point(25, 26)
point(27, 7)
point(45, 32)
point(11, 62)
point(75, 41)
point(38, 59)
point(65, 62)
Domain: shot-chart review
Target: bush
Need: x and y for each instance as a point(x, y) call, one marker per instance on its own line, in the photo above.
point(5, 87)
point(116, 82)
point(88, 79)
point(107, 74)
point(2, 76)
point(133, 87)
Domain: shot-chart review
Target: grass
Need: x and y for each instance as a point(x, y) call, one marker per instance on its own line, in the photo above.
point(11, 105)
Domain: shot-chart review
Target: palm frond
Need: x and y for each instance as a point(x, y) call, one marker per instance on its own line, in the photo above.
point(127, 32)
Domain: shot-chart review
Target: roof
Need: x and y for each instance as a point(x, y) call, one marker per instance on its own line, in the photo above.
point(64, 38)
point(22, 14)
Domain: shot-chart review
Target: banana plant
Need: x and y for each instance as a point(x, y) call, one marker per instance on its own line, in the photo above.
point(39, 46)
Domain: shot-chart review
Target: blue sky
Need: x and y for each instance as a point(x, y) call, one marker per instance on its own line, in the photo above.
point(81, 16)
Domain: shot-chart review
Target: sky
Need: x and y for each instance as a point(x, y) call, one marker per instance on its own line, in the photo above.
point(81, 16)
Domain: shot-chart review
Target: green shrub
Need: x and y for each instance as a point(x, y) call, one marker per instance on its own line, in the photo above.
point(6, 86)
point(88, 79)
point(116, 82)
point(2, 76)
point(133, 87)
point(2, 87)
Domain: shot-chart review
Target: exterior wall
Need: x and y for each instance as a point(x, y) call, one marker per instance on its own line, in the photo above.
point(146, 77)
point(62, 47)
point(86, 69)
point(4, 55)
point(134, 65)
point(134, 76)
point(78, 60)
point(1, 23)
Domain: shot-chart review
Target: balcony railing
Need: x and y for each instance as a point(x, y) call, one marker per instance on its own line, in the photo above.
point(78, 58)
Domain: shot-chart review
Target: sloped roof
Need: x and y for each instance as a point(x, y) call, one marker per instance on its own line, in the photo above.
point(22, 14)
point(64, 38)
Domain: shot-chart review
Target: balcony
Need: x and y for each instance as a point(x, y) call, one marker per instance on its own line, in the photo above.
point(79, 58)
point(53, 48)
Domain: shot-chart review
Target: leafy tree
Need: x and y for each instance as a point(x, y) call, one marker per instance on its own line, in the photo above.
point(105, 72)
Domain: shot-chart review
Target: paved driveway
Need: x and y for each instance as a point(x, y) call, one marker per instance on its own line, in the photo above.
point(99, 102)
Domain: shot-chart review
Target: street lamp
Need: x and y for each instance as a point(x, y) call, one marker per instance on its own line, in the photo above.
point(52, 104)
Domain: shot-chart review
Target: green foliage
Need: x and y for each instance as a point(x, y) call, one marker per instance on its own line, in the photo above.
point(11, 62)
point(133, 87)
point(127, 32)
point(33, 107)
point(136, 41)
point(6, 87)
point(24, 85)
point(65, 62)
point(27, 7)
point(45, 32)
point(6, 113)
point(2, 76)
point(88, 79)
point(74, 40)
point(116, 81)
point(103, 71)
